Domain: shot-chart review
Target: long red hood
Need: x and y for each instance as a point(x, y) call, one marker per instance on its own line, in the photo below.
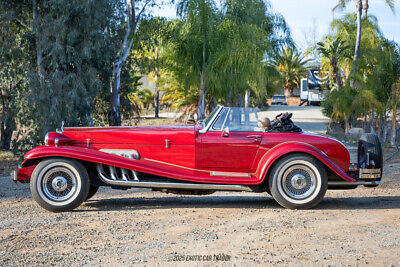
point(143, 135)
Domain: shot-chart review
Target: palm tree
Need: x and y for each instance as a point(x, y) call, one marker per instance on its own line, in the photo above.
point(359, 8)
point(334, 50)
point(342, 108)
point(395, 103)
point(291, 66)
point(390, 3)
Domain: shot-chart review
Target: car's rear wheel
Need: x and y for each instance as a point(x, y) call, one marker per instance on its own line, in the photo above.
point(59, 184)
point(298, 181)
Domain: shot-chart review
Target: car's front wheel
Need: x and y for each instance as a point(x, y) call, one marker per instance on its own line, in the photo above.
point(298, 181)
point(59, 184)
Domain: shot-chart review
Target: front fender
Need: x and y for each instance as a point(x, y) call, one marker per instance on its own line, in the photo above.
point(283, 149)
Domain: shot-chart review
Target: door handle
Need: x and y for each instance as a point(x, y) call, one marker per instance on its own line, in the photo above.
point(254, 136)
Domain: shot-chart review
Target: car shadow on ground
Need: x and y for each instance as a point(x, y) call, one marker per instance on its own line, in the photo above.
point(351, 203)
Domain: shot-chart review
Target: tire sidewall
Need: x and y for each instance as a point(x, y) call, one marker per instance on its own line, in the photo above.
point(82, 184)
point(276, 176)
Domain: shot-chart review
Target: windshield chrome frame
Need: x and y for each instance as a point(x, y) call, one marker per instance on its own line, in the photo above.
point(206, 127)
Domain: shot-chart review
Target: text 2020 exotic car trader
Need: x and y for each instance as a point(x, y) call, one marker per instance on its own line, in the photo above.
point(228, 151)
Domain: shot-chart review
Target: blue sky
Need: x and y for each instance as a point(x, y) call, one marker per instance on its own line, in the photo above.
point(310, 19)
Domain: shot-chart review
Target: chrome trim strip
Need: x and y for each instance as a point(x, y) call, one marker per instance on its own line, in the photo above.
point(355, 183)
point(216, 187)
point(229, 174)
point(206, 127)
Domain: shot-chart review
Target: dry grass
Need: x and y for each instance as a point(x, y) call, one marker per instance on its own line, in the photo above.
point(7, 155)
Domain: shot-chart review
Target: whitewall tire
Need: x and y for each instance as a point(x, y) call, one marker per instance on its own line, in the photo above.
point(298, 181)
point(59, 184)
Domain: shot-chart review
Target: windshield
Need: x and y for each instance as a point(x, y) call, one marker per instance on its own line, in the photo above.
point(211, 115)
point(237, 120)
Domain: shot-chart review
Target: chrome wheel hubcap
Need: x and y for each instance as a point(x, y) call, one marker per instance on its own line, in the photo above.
point(299, 182)
point(59, 184)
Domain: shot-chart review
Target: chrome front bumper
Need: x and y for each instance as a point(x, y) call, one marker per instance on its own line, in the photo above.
point(14, 176)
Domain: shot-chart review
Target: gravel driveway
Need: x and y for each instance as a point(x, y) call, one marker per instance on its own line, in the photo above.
point(356, 227)
point(139, 226)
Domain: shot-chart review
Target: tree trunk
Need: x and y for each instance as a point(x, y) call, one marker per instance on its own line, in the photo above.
point(201, 108)
point(394, 133)
point(372, 126)
point(39, 50)
point(347, 125)
point(288, 92)
point(384, 128)
point(157, 92)
point(396, 100)
point(247, 99)
point(7, 124)
point(336, 73)
point(365, 7)
point(359, 7)
point(156, 103)
point(114, 116)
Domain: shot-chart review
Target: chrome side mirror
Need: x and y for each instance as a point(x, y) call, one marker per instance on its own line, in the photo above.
point(225, 132)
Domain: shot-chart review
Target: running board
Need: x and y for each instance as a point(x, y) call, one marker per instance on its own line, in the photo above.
point(166, 185)
point(355, 183)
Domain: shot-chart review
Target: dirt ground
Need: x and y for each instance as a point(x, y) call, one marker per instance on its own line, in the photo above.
point(356, 227)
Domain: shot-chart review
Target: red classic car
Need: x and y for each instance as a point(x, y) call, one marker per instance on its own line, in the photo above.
point(228, 151)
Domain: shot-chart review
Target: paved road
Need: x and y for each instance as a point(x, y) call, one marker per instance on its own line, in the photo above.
point(309, 118)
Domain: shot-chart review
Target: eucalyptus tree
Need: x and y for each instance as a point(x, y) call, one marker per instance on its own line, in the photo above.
point(133, 13)
point(14, 66)
point(334, 49)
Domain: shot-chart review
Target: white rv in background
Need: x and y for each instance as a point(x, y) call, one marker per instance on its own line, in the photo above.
point(311, 91)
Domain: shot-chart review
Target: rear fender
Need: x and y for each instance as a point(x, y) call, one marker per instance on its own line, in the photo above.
point(283, 149)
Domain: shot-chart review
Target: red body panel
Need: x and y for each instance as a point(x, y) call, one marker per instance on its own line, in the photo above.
point(150, 142)
point(236, 151)
point(180, 152)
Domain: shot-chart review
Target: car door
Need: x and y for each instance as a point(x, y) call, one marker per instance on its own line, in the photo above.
point(235, 149)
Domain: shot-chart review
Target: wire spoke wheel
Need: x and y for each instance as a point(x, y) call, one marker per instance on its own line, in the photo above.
point(299, 182)
point(59, 184)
